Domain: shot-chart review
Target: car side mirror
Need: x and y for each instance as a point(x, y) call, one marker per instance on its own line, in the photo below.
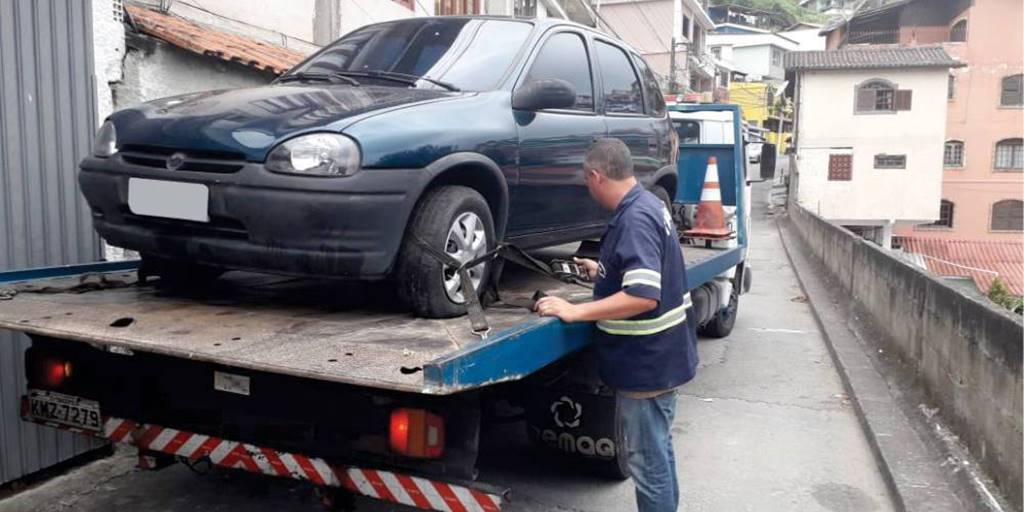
point(544, 94)
point(768, 154)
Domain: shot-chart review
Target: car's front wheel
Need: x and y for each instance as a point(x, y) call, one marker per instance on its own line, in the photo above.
point(457, 221)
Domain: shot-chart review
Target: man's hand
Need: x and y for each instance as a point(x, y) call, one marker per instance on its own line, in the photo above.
point(561, 308)
point(589, 265)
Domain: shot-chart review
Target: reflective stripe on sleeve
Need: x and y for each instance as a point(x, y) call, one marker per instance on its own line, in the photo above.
point(642, 276)
point(648, 326)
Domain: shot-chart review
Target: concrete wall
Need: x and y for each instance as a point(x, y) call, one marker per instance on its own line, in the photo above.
point(827, 125)
point(966, 352)
point(153, 70)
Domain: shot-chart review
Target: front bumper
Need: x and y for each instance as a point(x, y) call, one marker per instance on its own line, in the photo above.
point(339, 227)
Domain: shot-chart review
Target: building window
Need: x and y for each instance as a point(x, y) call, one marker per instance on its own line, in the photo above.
point(776, 57)
point(951, 87)
point(881, 96)
point(1010, 155)
point(958, 33)
point(1008, 215)
point(890, 161)
point(840, 167)
point(686, 27)
point(945, 216)
point(953, 154)
point(1012, 93)
point(717, 52)
point(449, 7)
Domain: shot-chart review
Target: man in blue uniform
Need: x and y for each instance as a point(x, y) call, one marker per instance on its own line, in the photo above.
point(646, 347)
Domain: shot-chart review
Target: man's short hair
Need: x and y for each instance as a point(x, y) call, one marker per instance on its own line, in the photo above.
point(611, 158)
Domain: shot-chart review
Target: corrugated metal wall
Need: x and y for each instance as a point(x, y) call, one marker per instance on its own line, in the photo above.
point(47, 120)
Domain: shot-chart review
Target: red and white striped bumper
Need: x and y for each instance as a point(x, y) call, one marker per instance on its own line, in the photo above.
point(383, 485)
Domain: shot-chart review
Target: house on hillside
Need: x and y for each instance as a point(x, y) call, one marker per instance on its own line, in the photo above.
point(869, 135)
point(758, 55)
point(983, 162)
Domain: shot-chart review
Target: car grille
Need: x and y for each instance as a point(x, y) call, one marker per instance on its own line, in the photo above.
point(191, 160)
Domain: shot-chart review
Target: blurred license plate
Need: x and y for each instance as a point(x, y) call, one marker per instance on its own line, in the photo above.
point(169, 199)
point(64, 409)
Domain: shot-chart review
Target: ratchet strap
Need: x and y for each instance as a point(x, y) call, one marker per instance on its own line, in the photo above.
point(474, 306)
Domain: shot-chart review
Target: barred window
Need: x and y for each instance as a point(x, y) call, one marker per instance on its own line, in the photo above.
point(840, 167)
point(953, 155)
point(945, 215)
point(1010, 155)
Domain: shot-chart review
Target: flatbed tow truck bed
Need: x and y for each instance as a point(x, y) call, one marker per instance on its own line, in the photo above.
point(312, 328)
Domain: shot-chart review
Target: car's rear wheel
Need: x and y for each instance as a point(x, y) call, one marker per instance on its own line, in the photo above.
point(457, 221)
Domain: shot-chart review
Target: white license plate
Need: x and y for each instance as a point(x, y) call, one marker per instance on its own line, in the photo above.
point(64, 409)
point(169, 199)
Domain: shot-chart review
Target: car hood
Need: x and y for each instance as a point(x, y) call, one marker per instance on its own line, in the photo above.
point(252, 121)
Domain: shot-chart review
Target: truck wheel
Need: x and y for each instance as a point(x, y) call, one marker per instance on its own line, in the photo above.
point(617, 468)
point(722, 323)
point(177, 272)
point(453, 219)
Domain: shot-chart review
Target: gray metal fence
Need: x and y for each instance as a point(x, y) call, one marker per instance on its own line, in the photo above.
point(47, 120)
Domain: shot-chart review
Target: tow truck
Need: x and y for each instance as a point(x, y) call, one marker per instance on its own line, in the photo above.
point(327, 382)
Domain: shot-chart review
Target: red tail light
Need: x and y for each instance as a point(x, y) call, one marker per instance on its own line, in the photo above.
point(52, 372)
point(417, 433)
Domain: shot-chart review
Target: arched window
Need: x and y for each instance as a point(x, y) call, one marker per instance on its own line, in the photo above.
point(1008, 215)
point(875, 95)
point(959, 32)
point(1010, 155)
point(945, 215)
point(1012, 92)
point(953, 155)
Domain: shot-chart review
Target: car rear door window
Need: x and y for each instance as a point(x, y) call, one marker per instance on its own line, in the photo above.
point(652, 91)
point(621, 86)
point(564, 56)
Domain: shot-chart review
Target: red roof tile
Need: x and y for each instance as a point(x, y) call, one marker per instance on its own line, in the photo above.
point(205, 40)
point(979, 260)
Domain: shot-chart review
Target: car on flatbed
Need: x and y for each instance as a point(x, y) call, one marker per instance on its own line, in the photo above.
point(457, 133)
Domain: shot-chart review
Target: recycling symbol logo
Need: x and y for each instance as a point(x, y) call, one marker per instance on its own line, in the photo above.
point(567, 413)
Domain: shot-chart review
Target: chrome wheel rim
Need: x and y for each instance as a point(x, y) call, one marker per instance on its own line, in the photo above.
point(467, 240)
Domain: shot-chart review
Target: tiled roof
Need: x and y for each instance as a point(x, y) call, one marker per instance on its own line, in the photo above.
point(872, 58)
point(979, 260)
point(206, 40)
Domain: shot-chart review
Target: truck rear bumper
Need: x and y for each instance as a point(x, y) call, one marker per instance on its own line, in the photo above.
point(413, 491)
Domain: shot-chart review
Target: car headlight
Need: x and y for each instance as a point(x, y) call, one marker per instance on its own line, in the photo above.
point(106, 141)
point(318, 154)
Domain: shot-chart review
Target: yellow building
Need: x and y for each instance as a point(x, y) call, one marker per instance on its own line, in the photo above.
point(757, 101)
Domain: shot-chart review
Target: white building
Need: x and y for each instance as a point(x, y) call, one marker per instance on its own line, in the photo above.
point(756, 54)
point(869, 135)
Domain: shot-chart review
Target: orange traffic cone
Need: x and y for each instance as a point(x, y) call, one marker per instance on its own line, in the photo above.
point(710, 219)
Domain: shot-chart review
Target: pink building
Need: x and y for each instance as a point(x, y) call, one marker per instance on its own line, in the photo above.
point(983, 182)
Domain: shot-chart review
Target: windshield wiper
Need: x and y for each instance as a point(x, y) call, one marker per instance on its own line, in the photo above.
point(399, 77)
point(322, 77)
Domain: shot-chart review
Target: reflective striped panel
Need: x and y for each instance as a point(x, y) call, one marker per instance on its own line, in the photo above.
point(648, 326)
point(642, 276)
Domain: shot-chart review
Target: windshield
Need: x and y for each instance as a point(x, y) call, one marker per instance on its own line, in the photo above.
point(471, 54)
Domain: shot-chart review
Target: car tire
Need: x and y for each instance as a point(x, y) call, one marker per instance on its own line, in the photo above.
point(662, 194)
point(177, 273)
point(442, 219)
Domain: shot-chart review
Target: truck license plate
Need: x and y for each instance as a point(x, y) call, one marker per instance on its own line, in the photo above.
point(64, 409)
point(169, 199)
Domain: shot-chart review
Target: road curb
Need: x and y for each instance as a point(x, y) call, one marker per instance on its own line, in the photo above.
point(909, 468)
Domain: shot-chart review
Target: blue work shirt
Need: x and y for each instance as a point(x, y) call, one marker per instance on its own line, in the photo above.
point(640, 255)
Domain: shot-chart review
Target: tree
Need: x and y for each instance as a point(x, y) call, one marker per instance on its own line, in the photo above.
point(788, 11)
point(1001, 295)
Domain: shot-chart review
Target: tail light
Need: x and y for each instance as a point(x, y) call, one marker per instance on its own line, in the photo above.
point(417, 433)
point(51, 372)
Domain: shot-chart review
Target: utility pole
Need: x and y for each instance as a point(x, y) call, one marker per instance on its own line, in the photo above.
point(672, 69)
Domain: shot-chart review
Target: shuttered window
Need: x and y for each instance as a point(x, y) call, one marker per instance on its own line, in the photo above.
point(1008, 215)
point(840, 167)
point(1012, 94)
point(882, 96)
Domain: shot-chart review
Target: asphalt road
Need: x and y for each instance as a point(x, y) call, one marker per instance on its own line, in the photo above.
point(765, 426)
